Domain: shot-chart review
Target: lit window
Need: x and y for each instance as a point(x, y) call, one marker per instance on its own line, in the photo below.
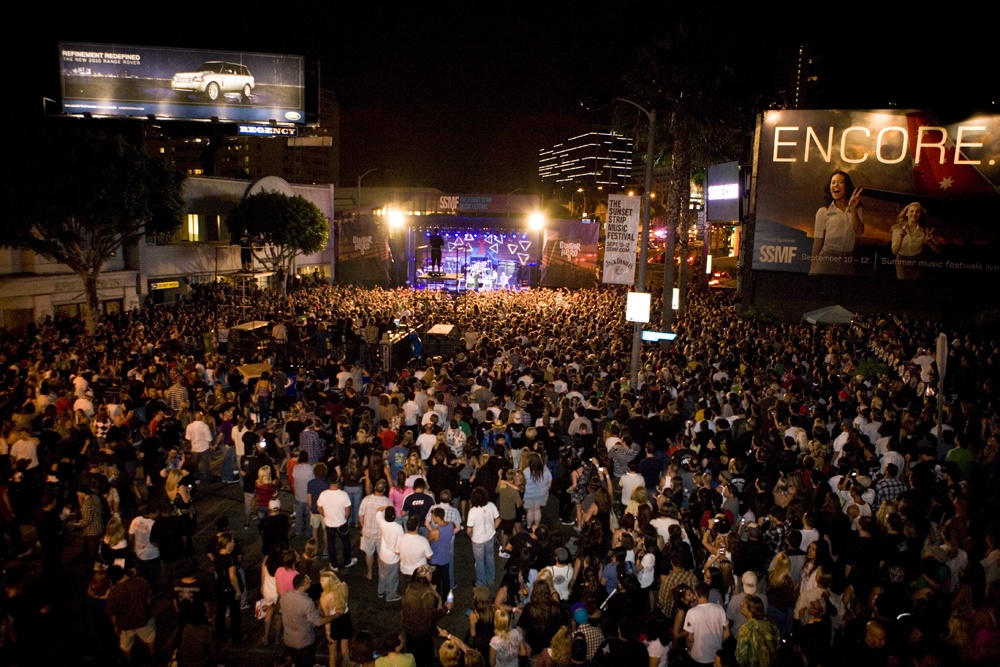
point(192, 227)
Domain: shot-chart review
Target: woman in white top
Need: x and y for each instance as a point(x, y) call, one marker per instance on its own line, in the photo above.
point(837, 225)
point(269, 592)
point(910, 237)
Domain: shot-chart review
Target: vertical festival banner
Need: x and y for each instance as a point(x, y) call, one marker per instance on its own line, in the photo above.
point(621, 234)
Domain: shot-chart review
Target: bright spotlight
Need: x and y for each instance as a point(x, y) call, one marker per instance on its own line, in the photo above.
point(536, 221)
point(396, 219)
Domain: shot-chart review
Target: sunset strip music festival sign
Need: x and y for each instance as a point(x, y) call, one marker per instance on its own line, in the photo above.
point(621, 234)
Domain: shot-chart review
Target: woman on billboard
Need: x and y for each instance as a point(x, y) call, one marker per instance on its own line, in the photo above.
point(910, 240)
point(838, 224)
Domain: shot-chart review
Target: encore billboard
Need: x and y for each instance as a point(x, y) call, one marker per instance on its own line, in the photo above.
point(142, 81)
point(897, 194)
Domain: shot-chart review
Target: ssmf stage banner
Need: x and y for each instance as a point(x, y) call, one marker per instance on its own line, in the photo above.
point(904, 195)
point(621, 234)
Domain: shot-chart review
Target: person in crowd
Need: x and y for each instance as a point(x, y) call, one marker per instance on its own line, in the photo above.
point(334, 601)
point(300, 618)
point(422, 608)
point(481, 526)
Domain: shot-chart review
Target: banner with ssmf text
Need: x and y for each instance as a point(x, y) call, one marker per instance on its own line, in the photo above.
point(621, 234)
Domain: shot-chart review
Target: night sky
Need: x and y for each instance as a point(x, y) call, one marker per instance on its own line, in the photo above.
point(460, 96)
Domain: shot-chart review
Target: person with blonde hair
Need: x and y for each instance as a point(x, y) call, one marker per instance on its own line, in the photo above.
point(640, 496)
point(179, 498)
point(910, 239)
point(507, 644)
point(115, 549)
point(781, 591)
point(481, 619)
point(333, 600)
point(414, 469)
point(558, 652)
point(450, 654)
point(264, 491)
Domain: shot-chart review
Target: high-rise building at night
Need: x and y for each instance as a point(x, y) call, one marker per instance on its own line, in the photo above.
point(593, 159)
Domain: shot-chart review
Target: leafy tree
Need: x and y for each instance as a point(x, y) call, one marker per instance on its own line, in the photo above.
point(286, 226)
point(77, 198)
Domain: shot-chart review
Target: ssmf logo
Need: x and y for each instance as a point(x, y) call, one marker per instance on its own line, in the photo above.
point(777, 254)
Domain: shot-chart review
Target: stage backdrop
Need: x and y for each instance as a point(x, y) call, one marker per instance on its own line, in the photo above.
point(928, 201)
point(569, 258)
point(362, 253)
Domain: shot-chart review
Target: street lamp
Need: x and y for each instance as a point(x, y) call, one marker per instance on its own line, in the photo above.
point(640, 277)
point(359, 189)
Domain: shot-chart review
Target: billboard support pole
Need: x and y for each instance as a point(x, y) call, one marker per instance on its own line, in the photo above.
point(744, 285)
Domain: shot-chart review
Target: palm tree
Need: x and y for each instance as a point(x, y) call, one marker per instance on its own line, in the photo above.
point(692, 78)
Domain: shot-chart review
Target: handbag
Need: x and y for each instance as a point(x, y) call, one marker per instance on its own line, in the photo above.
point(260, 609)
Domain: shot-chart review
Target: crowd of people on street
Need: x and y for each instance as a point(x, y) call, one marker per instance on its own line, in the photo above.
point(761, 494)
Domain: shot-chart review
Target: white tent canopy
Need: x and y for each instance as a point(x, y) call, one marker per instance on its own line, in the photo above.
point(829, 315)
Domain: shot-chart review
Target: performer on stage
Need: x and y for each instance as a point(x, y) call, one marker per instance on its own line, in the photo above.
point(437, 243)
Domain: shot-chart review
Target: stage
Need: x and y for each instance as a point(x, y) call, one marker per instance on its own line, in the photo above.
point(447, 281)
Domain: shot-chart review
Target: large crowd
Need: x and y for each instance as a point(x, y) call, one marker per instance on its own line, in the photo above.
point(762, 495)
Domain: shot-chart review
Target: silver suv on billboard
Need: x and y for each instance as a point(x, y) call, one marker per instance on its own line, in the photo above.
point(214, 79)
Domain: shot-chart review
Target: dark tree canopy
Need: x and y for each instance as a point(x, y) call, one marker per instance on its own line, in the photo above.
point(706, 100)
point(286, 226)
point(77, 197)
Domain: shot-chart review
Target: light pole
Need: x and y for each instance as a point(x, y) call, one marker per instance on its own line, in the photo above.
point(359, 189)
point(640, 275)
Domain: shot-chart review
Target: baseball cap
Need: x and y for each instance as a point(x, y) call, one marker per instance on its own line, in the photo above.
point(750, 582)
point(579, 611)
point(274, 504)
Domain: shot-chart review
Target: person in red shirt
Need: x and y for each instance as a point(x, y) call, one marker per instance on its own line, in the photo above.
point(386, 435)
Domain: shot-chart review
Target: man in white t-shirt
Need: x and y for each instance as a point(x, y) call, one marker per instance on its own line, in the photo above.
point(631, 481)
point(707, 627)
point(199, 434)
point(147, 554)
point(841, 440)
point(412, 548)
point(334, 506)
point(80, 385)
point(343, 376)
point(481, 525)
point(662, 525)
point(411, 413)
point(388, 559)
point(25, 447)
point(426, 441)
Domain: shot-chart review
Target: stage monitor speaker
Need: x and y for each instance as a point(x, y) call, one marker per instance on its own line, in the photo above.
point(441, 339)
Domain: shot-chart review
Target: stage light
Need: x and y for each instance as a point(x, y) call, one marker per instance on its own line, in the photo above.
point(396, 219)
point(536, 221)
